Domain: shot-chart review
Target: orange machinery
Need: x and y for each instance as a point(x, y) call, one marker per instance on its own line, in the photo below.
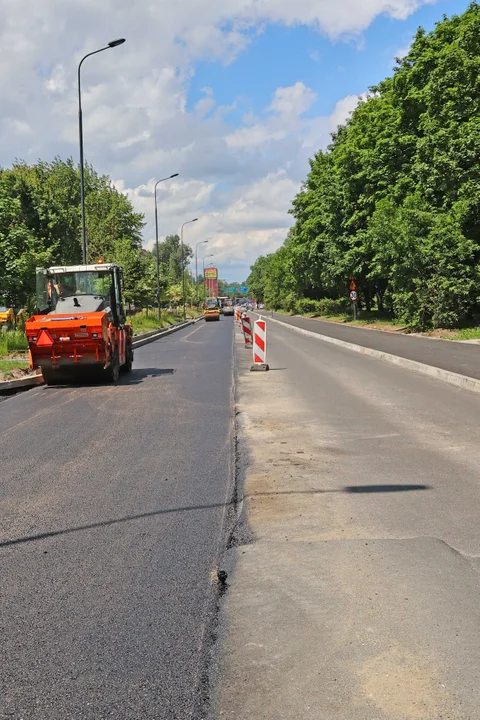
point(80, 327)
point(211, 310)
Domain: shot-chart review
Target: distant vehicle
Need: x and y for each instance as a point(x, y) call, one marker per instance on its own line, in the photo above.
point(212, 310)
point(228, 308)
point(222, 300)
point(261, 306)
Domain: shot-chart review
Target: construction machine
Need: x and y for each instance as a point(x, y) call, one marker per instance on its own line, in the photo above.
point(79, 328)
point(211, 310)
point(7, 316)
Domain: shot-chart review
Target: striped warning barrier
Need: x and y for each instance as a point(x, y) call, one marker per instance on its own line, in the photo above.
point(260, 346)
point(237, 313)
point(247, 330)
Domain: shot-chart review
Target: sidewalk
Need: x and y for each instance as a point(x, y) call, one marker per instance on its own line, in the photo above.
point(458, 357)
point(358, 597)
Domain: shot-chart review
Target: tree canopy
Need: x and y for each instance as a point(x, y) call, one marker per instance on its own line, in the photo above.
point(40, 225)
point(395, 198)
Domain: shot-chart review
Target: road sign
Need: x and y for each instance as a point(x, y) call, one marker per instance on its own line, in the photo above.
point(244, 289)
point(353, 296)
point(353, 284)
point(232, 290)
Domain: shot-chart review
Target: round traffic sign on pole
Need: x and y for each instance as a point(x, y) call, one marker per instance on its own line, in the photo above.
point(353, 296)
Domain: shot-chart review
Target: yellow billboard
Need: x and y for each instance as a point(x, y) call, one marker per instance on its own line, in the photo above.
point(211, 274)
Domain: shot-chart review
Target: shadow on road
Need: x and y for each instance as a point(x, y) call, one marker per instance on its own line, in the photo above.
point(384, 488)
point(140, 374)
point(135, 377)
point(193, 508)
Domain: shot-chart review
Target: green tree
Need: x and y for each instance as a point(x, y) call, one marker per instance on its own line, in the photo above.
point(395, 198)
point(170, 253)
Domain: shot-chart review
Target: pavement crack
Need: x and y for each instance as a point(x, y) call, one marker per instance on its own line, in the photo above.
point(377, 539)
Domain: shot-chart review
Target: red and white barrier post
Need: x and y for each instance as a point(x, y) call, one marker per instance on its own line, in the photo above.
point(260, 346)
point(247, 330)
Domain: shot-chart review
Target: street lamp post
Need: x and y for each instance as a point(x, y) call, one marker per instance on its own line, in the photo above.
point(203, 274)
point(156, 239)
point(183, 269)
point(112, 44)
point(202, 242)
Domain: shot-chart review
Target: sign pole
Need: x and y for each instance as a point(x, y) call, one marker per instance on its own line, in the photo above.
point(353, 296)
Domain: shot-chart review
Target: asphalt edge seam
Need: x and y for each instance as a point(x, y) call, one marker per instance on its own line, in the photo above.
point(209, 644)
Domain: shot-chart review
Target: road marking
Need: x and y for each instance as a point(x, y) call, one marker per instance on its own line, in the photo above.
point(185, 339)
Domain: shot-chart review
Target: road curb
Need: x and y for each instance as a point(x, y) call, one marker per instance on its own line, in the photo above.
point(462, 381)
point(30, 381)
point(145, 338)
point(10, 386)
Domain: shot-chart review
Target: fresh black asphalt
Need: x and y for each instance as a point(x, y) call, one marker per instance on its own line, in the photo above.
point(113, 518)
point(457, 357)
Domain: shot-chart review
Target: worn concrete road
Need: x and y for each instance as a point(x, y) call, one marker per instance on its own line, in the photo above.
point(457, 357)
point(113, 507)
point(359, 599)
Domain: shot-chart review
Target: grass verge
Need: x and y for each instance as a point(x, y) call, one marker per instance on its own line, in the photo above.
point(144, 323)
point(12, 342)
point(372, 319)
point(380, 321)
point(7, 366)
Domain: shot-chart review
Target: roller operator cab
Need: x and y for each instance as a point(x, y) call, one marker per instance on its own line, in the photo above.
point(79, 327)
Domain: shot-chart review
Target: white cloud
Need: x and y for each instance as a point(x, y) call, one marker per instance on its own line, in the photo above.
point(344, 108)
point(135, 98)
point(293, 100)
point(57, 81)
point(19, 127)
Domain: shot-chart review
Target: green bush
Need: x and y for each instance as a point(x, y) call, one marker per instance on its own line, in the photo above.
point(305, 306)
point(289, 303)
point(13, 341)
point(325, 307)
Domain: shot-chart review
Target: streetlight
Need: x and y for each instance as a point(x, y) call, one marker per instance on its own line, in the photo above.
point(112, 44)
point(156, 238)
point(183, 269)
point(203, 275)
point(202, 242)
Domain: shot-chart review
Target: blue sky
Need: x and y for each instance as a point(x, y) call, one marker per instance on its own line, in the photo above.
point(280, 56)
point(234, 96)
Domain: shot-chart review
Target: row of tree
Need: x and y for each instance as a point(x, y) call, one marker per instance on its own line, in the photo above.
point(40, 226)
point(395, 198)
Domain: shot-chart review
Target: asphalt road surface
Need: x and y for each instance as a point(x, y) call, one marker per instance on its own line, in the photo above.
point(458, 357)
point(113, 509)
point(359, 599)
